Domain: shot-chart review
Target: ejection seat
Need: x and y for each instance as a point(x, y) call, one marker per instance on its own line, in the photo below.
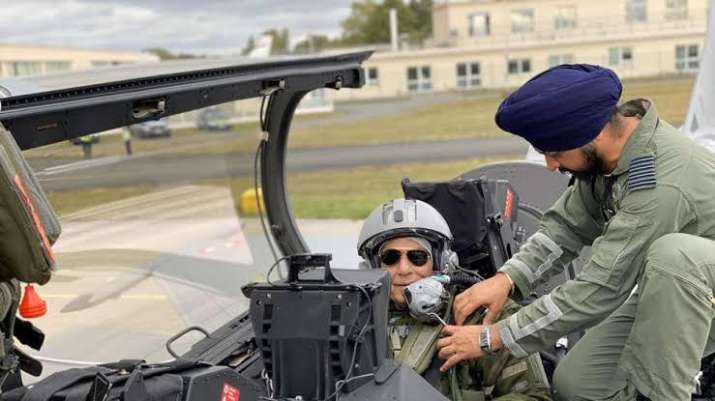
point(491, 211)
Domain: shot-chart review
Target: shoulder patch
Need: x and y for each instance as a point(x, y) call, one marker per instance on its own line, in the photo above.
point(641, 174)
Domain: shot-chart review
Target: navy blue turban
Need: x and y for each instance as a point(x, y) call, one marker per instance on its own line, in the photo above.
point(562, 108)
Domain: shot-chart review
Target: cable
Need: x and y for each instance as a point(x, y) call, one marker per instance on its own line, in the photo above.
point(261, 115)
point(464, 280)
point(339, 384)
point(470, 272)
point(269, 240)
point(266, 102)
point(531, 209)
point(273, 266)
point(348, 377)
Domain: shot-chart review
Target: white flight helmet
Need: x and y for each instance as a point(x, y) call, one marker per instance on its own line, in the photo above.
point(406, 218)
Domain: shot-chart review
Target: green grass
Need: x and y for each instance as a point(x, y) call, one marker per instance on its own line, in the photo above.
point(353, 193)
point(345, 194)
point(671, 95)
point(454, 120)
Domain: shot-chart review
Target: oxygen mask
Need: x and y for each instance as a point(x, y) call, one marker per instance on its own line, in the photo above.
point(426, 299)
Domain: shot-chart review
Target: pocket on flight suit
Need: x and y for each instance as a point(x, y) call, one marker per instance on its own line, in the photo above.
point(612, 250)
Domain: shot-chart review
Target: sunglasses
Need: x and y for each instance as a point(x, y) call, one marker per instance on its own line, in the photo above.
point(417, 257)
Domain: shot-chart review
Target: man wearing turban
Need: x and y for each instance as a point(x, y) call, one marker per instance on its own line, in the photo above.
point(644, 199)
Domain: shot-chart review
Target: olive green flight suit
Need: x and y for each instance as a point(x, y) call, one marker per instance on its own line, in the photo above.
point(498, 377)
point(9, 301)
point(651, 224)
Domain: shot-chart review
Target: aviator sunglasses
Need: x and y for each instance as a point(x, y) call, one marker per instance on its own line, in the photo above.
point(417, 257)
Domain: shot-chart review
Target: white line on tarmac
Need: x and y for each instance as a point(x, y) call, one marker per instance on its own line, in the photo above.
point(103, 161)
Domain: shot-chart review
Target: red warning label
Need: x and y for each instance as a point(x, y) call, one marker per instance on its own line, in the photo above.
point(509, 204)
point(230, 393)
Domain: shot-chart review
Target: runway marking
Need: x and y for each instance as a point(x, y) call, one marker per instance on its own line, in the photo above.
point(79, 165)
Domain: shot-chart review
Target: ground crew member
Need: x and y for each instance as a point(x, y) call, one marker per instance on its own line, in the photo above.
point(127, 138)
point(412, 240)
point(644, 200)
point(86, 141)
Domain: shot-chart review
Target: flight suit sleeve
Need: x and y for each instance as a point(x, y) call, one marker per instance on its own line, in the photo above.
point(9, 295)
point(573, 221)
point(504, 377)
point(607, 280)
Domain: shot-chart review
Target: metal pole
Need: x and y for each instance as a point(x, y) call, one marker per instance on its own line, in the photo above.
point(393, 30)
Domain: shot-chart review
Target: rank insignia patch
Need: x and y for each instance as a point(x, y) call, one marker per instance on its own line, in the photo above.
point(641, 174)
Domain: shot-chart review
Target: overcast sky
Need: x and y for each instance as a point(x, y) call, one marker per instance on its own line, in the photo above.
point(193, 26)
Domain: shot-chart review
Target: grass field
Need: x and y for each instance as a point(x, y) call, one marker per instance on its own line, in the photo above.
point(472, 118)
point(340, 194)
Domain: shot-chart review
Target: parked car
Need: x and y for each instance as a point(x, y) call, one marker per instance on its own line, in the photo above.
point(213, 119)
point(151, 129)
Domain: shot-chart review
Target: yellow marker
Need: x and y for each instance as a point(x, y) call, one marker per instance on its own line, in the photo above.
point(248, 204)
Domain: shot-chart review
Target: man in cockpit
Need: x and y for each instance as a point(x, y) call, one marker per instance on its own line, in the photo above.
point(412, 241)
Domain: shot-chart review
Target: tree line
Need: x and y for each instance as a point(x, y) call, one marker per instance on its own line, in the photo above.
point(367, 24)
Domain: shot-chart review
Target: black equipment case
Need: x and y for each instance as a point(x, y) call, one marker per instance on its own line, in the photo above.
point(320, 327)
point(132, 380)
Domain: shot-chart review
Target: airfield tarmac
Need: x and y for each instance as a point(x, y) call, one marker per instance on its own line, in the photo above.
point(132, 273)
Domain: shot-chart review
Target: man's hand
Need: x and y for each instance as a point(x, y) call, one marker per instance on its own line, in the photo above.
point(458, 344)
point(491, 293)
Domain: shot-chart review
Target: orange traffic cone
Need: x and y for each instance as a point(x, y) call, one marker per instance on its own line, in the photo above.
point(32, 305)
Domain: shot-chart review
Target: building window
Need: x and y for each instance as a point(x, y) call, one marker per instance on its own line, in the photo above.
point(20, 68)
point(419, 79)
point(519, 66)
point(372, 78)
point(565, 17)
point(558, 59)
point(468, 75)
point(686, 58)
point(57, 66)
point(636, 11)
point(522, 21)
point(676, 9)
point(620, 56)
point(479, 24)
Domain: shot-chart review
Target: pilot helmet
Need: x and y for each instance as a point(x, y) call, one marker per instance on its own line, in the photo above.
point(405, 218)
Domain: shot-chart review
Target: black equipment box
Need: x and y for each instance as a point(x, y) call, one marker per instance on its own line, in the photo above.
point(311, 328)
point(136, 381)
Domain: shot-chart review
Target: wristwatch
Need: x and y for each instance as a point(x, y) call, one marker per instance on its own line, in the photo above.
point(485, 340)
